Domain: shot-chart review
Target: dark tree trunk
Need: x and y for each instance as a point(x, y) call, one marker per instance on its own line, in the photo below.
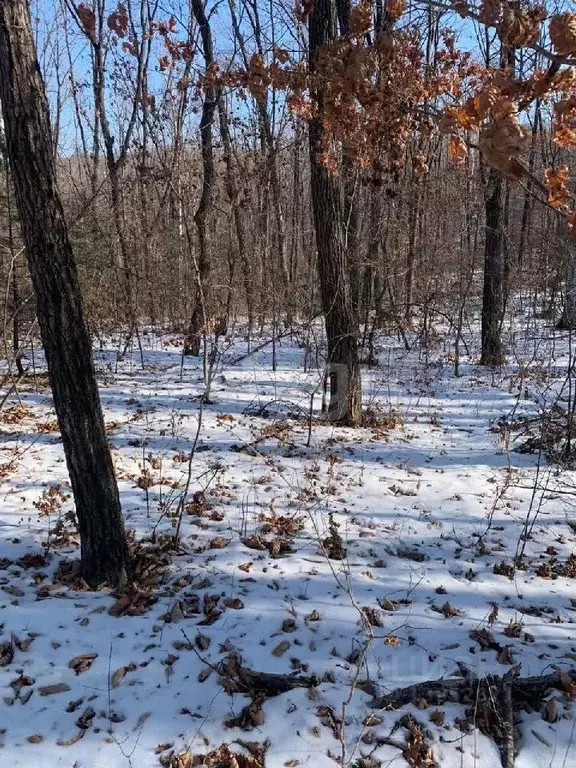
point(351, 189)
point(495, 257)
point(59, 304)
point(341, 329)
point(567, 321)
point(492, 298)
point(199, 317)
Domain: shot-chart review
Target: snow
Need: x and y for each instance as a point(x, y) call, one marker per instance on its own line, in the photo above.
point(433, 482)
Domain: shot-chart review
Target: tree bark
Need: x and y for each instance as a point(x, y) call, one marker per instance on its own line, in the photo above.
point(59, 304)
point(492, 298)
point(567, 321)
point(343, 368)
point(198, 320)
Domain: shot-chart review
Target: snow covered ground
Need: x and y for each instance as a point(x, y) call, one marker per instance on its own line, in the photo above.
point(368, 556)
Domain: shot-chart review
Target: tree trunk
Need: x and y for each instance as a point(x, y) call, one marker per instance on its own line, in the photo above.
point(59, 303)
point(492, 298)
point(239, 223)
point(199, 318)
point(413, 213)
point(341, 329)
point(568, 320)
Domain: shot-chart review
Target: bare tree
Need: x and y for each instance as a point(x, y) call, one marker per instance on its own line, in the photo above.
point(59, 304)
point(204, 211)
point(343, 367)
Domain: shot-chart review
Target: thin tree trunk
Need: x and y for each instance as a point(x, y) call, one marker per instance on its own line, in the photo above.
point(239, 222)
point(413, 213)
point(198, 320)
point(15, 289)
point(492, 298)
point(568, 319)
point(59, 304)
point(341, 329)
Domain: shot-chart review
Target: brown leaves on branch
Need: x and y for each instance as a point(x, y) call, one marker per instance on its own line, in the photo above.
point(395, 9)
point(558, 194)
point(457, 149)
point(502, 143)
point(562, 31)
point(375, 92)
point(87, 18)
point(564, 124)
point(118, 21)
point(176, 50)
point(494, 115)
point(521, 28)
point(490, 12)
point(360, 18)
point(260, 78)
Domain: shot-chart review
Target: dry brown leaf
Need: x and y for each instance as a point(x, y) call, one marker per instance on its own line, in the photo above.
point(505, 655)
point(83, 662)
point(74, 740)
point(49, 690)
point(6, 653)
point(117, 676)
point(219, 542)
point(202, 642)
point(281, 648)
point(550, 713)
point(437, 717)
point(562, 30)
point(568, 683)
point(233, 602)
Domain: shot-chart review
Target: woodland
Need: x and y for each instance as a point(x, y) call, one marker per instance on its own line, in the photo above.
point(288, 383)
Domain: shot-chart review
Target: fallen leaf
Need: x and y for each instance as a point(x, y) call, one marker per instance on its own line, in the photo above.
point(219, 542)
point(281, 648)
point(202, 642)
point(204, 674)
point(371, 720)
point(233, 602)
point(550, 713)
point(163, 747)
point(505, 655)
point(437, 717)
point(568, 683)
point(117, 676)
point(85, 719)
point(49, 690)
point(82, 663)
point(74, 740)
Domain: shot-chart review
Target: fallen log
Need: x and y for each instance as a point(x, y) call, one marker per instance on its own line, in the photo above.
point(239, 679)
point(523, 690)
point(492, 700)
